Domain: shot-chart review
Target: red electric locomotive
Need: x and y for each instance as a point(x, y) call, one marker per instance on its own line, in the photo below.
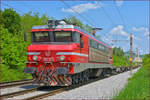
point(62, 54)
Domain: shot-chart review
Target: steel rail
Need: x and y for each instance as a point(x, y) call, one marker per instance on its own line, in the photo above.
point(46, 94)
point(15, 83)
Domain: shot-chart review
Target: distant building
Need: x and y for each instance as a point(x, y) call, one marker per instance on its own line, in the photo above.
point(138, 59)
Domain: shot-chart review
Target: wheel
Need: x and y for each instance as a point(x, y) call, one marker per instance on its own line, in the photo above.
point(34, 76)
point(73, 80)
point(86, 75)
point(82, 77)
point(76, 78)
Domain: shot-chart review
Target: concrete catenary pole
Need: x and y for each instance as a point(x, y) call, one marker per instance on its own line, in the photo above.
point(131, 54)
point(137, 57)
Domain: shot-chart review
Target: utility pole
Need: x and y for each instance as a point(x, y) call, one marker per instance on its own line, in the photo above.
point(131, 54)
point(137, 52)
point(137, 56)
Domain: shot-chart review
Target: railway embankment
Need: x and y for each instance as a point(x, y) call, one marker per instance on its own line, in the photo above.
point(138, 86)
point(103, 89)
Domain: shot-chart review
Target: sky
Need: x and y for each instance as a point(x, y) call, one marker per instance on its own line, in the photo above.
point(118, 18)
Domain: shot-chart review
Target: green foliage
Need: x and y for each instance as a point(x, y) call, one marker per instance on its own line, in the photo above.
point(74, 20)
point(11, 21)
point(118, 51)
point(119, 59)
point(13, 47)
point(88, 28)
point(146, 60)
point(9, 49)
point(138, 85)
point(13, 56)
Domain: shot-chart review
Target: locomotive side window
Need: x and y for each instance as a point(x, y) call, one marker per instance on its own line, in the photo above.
point(76, 37)
point(90, 42)
point(81, 41)
point(41, 37)
point(106, 49)
point(95, 45)
point(101, 47)
point(63, 36)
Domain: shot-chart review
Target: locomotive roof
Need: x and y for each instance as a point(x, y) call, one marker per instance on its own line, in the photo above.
point(69, 26)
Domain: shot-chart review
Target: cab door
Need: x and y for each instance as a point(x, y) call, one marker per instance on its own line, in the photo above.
point(84, 48)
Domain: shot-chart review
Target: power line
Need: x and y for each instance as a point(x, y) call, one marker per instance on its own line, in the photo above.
point(106, 14)
point(12, 7)
point(77, 13)
point(123, 21)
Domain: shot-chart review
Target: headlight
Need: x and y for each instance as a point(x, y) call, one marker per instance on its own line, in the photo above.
point(35, 58)
point(62, 58)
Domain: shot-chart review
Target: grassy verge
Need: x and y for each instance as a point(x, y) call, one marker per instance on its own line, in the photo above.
point(8, 74)
point(138, 86)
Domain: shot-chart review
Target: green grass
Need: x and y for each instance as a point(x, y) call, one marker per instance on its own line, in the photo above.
point(8, 74)
point(138, 86)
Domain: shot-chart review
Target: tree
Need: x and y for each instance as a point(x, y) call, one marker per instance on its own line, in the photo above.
point(13, 49)
point(11, 20)
point(74, 20)
point(88, 28)
point(118, 51)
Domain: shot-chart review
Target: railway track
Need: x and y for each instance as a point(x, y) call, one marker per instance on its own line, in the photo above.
point(62, 89)
point(48, 93)
point(51, 92)
point(18, 93)
point(15, 83)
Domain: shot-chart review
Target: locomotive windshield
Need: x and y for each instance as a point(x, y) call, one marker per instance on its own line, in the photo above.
point(41, 37)
point(63, 37)
point(55, 36)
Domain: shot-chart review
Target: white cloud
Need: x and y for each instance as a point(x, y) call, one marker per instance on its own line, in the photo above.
point(119, 2)
point(144, 30)
point(82, 7)
point(119, 30)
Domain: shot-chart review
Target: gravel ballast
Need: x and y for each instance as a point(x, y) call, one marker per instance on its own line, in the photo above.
point(103, 89)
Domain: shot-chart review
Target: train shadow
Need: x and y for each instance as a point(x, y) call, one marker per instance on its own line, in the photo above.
point(29, 86)
point(41, 88)
point(48, 88)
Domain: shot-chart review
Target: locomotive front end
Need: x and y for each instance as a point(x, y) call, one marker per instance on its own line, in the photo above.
point(50, 55)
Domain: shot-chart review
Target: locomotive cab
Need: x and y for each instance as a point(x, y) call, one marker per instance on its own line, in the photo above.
point(53, 51)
